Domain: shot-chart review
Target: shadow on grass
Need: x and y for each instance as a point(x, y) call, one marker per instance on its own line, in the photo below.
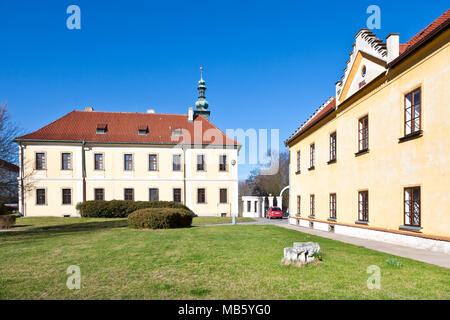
point(21, 226)
point(92, 225)
point(83, 227)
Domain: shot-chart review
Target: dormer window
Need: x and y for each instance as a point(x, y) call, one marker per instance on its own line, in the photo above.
point(142, 130)
point(177, 132)
point(101, 128)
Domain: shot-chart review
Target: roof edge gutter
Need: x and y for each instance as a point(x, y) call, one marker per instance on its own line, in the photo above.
point(140, 143)
point(289, 140)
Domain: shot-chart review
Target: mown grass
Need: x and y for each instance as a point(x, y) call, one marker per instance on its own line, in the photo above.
point(218, 220)
point(46, 223)
point(217, 262)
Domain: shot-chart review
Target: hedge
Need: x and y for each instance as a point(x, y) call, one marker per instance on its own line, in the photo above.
point(160, 218)
point(122, 208)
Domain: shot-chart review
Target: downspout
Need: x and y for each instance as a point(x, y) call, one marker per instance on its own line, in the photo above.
point(22, 193)
point(184, 174)
point(83, 169)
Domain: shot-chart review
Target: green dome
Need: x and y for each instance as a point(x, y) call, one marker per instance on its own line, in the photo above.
point(201, 104)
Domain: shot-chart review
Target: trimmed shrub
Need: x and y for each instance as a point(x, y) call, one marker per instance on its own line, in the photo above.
point(160, 218)
point(7, 222)
point(122, 208)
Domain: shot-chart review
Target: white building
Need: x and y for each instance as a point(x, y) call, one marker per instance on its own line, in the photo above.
point(87, 155)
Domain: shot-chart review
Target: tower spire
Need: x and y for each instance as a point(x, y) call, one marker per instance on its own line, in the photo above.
point(201, 104)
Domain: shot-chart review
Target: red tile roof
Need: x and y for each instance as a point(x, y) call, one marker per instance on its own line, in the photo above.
point(8, 165)
point(122, 127)
point(320, 113)
point(423, 34)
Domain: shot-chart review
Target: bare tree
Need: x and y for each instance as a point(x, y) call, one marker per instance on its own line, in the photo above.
point(261, 184)
point(8, 154)
point(8, 131)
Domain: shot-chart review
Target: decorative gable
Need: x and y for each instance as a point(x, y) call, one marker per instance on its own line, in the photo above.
point(367, 61)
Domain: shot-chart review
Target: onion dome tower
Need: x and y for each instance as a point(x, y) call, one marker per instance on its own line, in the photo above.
point(201, 104)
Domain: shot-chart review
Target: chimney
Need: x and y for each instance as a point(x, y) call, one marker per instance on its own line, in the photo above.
point(190, 114)
point(89, 109)
point(392, 46)
point(150, 110)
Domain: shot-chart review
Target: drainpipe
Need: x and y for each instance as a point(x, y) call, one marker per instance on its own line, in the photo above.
point(83, 170)
point(184, 174)
point(22, 193)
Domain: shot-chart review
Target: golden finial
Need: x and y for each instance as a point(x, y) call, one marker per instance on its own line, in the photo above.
point(201, 72)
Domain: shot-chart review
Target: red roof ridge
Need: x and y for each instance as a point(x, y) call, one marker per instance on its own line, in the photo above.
point(51, 123)
point(235, 141)
point(153, 113)
point(128, 112)
point(442, 19)
point(123, 127)
point(319, 114)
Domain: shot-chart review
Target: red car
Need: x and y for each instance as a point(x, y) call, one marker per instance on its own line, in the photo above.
point(274, 212)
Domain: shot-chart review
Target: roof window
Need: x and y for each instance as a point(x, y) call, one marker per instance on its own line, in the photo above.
point(101, 128)
point(143, 130)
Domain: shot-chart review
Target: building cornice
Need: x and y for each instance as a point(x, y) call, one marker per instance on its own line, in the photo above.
point(181, 145)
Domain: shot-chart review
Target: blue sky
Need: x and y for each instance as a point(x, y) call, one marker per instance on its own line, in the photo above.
point(268, 64)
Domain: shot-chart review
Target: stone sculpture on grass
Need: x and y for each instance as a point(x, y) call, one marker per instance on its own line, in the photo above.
point(302, 253)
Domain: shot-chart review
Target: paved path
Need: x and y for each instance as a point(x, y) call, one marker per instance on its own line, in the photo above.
point(258, 221)
point(437, 258)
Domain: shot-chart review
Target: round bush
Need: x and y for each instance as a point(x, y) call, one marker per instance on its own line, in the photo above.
point(122, 208)
point(160, 218)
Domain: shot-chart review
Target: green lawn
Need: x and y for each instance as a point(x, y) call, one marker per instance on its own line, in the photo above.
point(218, 220)
point(217, 262)
point(50, 222)
point(68, 223)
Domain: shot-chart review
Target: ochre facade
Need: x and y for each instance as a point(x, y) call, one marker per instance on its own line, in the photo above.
point(391, 163)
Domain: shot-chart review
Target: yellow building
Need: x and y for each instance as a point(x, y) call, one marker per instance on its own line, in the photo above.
point(374, 161)
point(89, 155)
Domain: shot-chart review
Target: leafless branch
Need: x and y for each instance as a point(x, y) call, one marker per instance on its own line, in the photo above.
point(8, 131)
point(9, 153)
